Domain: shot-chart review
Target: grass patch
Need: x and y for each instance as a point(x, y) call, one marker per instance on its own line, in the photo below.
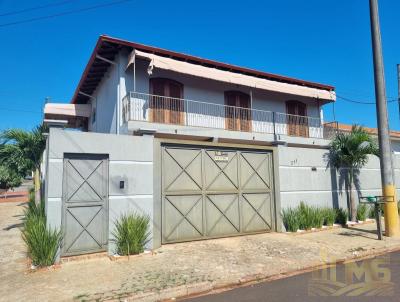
point(42, 242)
point(131, 233)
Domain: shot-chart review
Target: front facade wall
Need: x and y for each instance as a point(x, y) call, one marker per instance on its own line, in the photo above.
point(306, 176)
point(298, 174)
point(119, 81)
point(130, 159)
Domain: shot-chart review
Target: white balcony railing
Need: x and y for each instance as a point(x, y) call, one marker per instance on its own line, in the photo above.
point(160, 109)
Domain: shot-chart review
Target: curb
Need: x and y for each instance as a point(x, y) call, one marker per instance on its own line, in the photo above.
point(207, 287)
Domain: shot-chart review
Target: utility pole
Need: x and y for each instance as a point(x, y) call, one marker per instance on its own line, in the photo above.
point(388, 185)
point(398, 87)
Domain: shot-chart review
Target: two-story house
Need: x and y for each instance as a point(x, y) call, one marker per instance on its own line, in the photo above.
point(206, 149)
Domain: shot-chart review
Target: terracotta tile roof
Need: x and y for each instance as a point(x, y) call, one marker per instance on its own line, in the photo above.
point(345, 127)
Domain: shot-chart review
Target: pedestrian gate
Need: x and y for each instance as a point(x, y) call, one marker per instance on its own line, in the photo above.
point(85, 203)
point(209, 192)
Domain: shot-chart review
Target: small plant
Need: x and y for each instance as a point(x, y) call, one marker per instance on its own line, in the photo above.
point(318, 217)
point(329, 216)
point(131, 233)
point(362, 212)
point(35, 210)
point(305, 216)
point(310, 217)
point(341, 216)
point(291, 219)
point(42, 242)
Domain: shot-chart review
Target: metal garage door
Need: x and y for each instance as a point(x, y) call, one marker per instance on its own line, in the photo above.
point(210, 192)
point(85, 204)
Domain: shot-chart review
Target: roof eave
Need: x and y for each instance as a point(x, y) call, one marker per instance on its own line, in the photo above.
point(151, 49)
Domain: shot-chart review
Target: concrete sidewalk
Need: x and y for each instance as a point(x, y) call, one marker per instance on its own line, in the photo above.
point(176, 269)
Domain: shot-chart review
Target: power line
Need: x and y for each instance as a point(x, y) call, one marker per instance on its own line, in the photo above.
point(360, 102)
point(363, 94)
point(107, 4)
point(29, 9)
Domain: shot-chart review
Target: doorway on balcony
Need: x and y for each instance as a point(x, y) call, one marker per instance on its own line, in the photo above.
point(166, 101)
point(296, 120)
point(237, 111)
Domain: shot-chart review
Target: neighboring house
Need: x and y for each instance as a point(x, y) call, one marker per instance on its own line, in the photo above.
point(207, 149)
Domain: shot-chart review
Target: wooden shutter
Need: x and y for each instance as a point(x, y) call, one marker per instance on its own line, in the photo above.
point(166, 102)
point(238, 111)
point(157, 105)
point(174, 90)
point(297, 120)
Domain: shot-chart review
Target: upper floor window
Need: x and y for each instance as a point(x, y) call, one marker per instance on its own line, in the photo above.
point(166, 103)
point(237, 111)
point(296, 108)
point(297, 120)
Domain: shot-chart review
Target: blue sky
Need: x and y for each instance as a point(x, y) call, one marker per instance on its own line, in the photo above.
point(324, 41)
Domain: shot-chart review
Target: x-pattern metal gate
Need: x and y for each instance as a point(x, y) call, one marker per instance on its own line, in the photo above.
point(85, 197)
point(211, 192)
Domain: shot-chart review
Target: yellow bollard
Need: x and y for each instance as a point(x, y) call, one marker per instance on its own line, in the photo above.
point(391, 213)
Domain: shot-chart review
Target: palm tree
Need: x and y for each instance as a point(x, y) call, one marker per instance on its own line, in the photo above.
point(350, 151)
point(22, 150)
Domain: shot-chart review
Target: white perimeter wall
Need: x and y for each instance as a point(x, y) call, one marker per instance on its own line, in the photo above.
point(323, 187)
point(130, 159)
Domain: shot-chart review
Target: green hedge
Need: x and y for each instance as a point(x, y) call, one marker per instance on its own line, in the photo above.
point(305, 217)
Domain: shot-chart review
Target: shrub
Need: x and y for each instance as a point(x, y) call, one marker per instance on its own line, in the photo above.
point(305, 216)
point(341, 216)
point(291, 219)
point(310, 217)
point(318, 217)
point(131, 233)
point(42, 242)
point(329, 216)
point(34, 210)
point(362, 211)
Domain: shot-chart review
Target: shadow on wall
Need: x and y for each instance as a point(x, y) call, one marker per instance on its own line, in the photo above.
point(340, 182)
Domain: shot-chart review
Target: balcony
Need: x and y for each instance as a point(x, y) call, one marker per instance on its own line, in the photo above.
point(167, 110)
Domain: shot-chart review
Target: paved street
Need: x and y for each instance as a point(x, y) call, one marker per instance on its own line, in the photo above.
point(312, 287)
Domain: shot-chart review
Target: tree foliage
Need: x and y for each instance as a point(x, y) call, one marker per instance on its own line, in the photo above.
point(9, 178)
point(350, 151)
point(22, 150)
